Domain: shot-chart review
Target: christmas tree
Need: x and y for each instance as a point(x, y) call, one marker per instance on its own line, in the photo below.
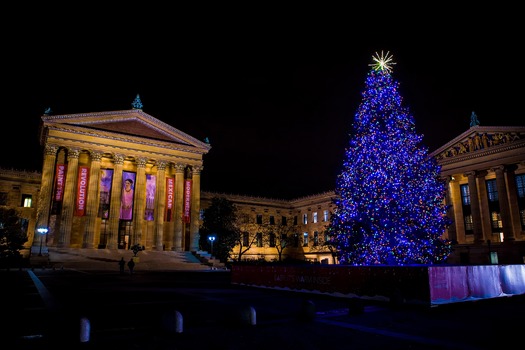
point(390, 206)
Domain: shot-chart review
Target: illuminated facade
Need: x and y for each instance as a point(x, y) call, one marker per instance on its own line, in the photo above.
point(88, 157)
point(116, 179)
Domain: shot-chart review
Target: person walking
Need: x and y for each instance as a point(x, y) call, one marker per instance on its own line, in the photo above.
point(131, 266)
point(122, 264)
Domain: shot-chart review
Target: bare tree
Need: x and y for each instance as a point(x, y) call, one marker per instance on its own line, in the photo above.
point(245, 235)
point(327, 245)
point(279, 235)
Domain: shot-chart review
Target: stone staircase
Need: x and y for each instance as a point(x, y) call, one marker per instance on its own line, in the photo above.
point(209, 259)
point(105, 259)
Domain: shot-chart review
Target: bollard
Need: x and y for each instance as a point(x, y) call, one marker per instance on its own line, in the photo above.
point(307, 312)
point(172, 322)
point(178, 322)
point(247, 316)
point(85, 329)
point(253, 320)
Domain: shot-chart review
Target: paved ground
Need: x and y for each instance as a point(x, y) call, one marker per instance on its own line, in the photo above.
point(89, 309)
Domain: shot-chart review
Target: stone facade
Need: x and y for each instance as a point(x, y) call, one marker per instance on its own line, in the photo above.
point(79, 204)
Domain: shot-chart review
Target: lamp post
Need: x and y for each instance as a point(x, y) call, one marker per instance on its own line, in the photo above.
point(211, 239)
point(42, 231)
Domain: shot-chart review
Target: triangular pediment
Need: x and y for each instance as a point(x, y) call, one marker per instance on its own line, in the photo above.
point(479, 139)
point(127, 122)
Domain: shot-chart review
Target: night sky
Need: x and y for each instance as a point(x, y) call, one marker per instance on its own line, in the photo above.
point(276, 105)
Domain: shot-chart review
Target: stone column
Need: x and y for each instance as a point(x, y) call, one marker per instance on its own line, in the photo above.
point(114, 207)
point(140, 201)
point(475, 207)
point(508, 234)
point(513, 201)
point(179, 203)
point(452, 234)
point(93, 200)
point(160, 205)
point(195, 207)
point(68, 204)
point(44, 198)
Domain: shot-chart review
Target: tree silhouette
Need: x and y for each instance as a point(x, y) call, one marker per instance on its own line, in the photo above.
point(12, 236)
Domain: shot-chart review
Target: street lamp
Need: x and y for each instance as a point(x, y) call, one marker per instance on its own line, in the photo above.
point(211, 239)
point(42, 231)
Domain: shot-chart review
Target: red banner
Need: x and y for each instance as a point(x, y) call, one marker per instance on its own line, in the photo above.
point(82, 188)
point(170, 195)
point(187, 201)
point(60, 178)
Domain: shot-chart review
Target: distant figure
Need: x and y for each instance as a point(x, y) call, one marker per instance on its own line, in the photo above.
point(131, 265)
point(122, 264)
point(474, 119)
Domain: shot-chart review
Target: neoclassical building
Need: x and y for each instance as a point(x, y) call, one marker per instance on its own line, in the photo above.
point(111, 180)
point(116, 179)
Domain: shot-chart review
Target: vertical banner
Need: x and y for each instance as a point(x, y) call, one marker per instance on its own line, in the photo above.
point(151, 188)
point(127, 197)
point(106, 179)
point(60, 178)
point(187, 201)
point(170, 196)
point(82, 188)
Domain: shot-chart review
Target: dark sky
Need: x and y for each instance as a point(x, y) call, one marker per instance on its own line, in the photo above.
point(276, 100)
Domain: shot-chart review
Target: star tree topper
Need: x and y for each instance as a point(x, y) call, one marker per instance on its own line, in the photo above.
point(383, 62)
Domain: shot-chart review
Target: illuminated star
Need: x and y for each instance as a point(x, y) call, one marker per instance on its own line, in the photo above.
point(383, 62)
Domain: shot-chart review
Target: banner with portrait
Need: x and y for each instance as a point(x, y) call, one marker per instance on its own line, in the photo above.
point(127, 195)
point(106, 180)
point(151, 188)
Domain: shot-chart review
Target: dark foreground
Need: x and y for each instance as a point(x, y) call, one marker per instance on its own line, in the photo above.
point(186, 310)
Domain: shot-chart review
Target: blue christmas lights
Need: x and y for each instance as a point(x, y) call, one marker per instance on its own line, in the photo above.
point(390, 199)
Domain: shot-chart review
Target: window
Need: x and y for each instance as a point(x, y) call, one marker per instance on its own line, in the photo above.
point(305, 219)
point(272, 220)
point(494, 209)
point(316, 238)
point(520, 187)
point(295, 220)
point(27, 200)
point(467, 211)
point(325, 215)
point(305, 239)
point(245, 239)
point(272, 239)
point(314, 217)
point(259, 239)
point(3, 198)
point(283, 221)
point(244, 218)
point(259, 219)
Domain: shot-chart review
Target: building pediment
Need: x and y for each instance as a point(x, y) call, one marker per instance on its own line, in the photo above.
point(133, 122)
point(480, 139)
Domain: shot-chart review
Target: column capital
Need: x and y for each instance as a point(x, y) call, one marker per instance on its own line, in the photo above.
point(118, 159)
point(196, 169)
point(475, 173)
point(141, 162)
point(161, 164)
point(498, 169)
point(73, 153)
point(50, 150)
point(96, 155)
point(179, 168)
